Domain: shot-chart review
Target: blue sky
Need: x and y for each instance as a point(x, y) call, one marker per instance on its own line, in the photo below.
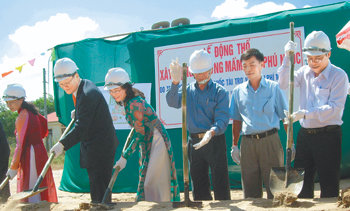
point(29, 28)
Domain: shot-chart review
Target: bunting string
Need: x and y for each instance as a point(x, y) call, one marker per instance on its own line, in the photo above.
point(20, 67)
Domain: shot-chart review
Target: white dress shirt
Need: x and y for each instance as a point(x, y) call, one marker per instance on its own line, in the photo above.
point(322, 97)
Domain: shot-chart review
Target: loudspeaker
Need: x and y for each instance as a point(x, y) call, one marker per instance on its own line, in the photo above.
point(161, 25)
point(180, 22)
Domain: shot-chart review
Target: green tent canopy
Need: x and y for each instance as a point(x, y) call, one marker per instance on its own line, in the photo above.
point(135, 53)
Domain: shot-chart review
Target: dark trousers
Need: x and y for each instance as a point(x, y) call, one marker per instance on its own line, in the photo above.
point(319, 151)
point(5, 192)
point(211, 155)
point(99, 177)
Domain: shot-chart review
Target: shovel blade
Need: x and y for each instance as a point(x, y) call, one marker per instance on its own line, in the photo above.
point(27, 193)
point(283, 180)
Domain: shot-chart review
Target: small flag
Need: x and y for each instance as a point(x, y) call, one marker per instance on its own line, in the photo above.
point(6, 74)
point(31, 62)
point(19, 68)
point(53, 55)
point(343, 37)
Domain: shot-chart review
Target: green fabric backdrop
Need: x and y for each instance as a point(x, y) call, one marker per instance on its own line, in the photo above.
point(135, 53)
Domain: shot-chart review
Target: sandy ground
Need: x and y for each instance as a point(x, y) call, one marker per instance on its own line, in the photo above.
point(125, 201)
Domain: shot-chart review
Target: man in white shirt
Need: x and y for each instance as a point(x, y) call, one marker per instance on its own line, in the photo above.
point(323, 94)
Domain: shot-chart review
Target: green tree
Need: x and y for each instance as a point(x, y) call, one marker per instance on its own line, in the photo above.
point(7, 119)
point(39, 103)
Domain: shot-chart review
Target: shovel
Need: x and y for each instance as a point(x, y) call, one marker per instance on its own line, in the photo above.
point(288, 179)
point(36, 190)
point(108, 191)
point(187, 202)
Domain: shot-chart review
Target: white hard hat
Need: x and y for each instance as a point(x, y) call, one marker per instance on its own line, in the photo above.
point(14, 92)
point(116, 77)
point(200, 61)
point(64, 68)
point(316, 43)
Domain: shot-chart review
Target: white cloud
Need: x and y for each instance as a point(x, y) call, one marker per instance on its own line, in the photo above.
point(201, 19)
point(30, 41)
point(56, 30)
point(240, 9)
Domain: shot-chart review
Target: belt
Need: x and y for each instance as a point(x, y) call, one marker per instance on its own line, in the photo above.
point(262, 135)
point(320, 129)
point(197, 135)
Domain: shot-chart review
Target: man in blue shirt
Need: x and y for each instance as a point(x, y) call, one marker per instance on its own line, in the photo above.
point(257, 106)
point(322, 100)
point(207, 120)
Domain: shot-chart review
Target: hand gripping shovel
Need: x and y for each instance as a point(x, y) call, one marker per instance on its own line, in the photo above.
point(187, 202)
point(287, 179)
point(36, 190)
point(108, 191)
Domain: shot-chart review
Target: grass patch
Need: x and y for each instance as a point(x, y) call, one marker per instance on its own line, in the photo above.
point(58, 162)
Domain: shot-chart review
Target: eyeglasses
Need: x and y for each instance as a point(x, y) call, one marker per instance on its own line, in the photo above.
point(315, 60)
point(115, 91)
point(65, 84)
point(12, 102)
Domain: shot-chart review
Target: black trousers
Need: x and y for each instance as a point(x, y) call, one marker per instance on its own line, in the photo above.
point(319, 152)
point(211, 155)
point(99, 177)
point(5, 192)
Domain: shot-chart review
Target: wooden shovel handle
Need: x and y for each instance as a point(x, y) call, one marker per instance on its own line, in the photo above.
point(291, 101)
point(4, 182)
point(49, 161)
point(117, 170)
